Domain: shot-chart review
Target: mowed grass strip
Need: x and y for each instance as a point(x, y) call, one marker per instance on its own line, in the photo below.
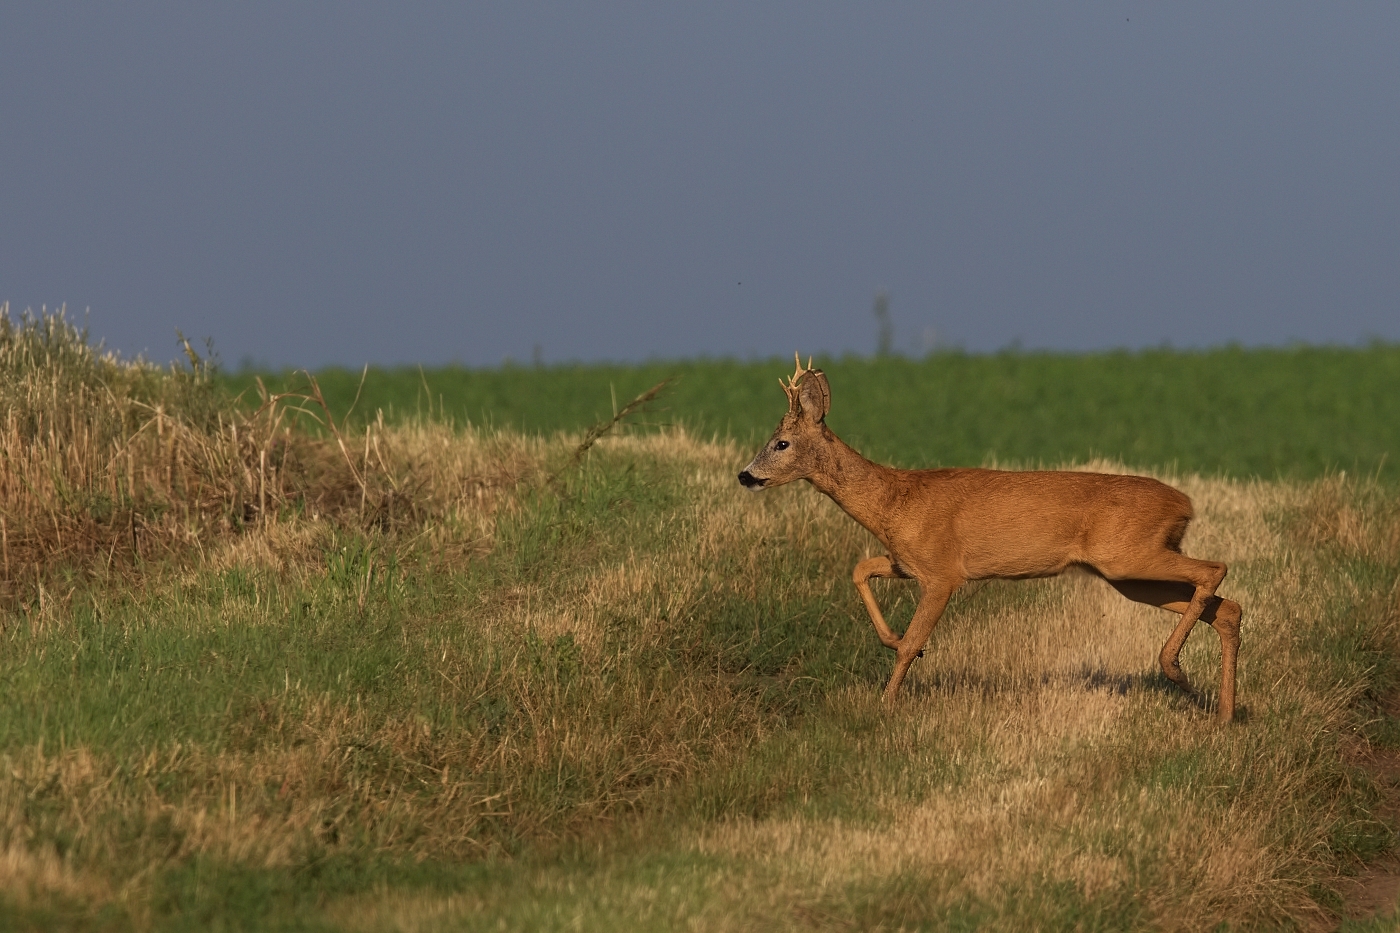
point(643, 698)
point(1295, 412)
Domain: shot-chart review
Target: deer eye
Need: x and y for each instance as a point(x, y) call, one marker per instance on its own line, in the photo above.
point(781, 445)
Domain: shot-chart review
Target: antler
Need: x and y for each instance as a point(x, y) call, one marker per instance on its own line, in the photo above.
point(790, 387)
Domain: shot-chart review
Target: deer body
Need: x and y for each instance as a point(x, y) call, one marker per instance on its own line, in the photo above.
point(946, 527)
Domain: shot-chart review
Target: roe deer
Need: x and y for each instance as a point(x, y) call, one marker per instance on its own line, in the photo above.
point(946, 527)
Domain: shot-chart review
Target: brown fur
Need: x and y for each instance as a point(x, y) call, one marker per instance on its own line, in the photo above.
point(944, 528)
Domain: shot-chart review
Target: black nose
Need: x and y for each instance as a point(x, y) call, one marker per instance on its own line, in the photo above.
point(749, 480)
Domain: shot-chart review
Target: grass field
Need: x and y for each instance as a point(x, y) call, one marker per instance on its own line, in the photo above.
point(425, 677)
point(1293, 413)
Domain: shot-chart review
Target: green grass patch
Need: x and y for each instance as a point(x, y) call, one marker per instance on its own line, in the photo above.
point(1295, 412)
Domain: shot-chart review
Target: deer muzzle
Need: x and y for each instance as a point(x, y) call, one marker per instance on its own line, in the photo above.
point(749, 481)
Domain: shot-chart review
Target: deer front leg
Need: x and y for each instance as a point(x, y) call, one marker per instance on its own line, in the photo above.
point(911, 646)
point(876, 567)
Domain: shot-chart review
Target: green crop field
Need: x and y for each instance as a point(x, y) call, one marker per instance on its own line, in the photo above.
point(1292, 413)
point(416, 675)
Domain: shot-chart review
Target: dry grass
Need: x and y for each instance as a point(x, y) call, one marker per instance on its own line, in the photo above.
point(107, 463)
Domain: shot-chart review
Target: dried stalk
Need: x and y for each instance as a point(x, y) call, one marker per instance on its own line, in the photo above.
point(603, 428)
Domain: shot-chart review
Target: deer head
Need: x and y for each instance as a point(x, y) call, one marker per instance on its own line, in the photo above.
point(800, 444)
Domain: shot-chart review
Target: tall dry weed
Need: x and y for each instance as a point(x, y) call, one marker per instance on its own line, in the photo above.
point(108, 463)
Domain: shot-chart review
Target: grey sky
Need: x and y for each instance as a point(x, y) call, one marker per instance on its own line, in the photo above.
point(342, 183)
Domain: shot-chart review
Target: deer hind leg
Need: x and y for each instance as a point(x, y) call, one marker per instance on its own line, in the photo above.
point(1223, 614)
point(911, 646)
point(865, 570)
point(1168, 566)
point(1206, 577)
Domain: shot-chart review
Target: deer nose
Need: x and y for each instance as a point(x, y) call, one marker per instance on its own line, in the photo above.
point(748, 480)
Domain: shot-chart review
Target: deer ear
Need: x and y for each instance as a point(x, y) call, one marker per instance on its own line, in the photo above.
point(814, 395)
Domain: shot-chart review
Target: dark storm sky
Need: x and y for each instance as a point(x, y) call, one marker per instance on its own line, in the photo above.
point(343, 183)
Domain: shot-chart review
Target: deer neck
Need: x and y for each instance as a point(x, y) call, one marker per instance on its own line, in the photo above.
point(858, 485)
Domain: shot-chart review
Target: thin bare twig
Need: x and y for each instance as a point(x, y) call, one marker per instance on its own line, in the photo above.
point(602, 428)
